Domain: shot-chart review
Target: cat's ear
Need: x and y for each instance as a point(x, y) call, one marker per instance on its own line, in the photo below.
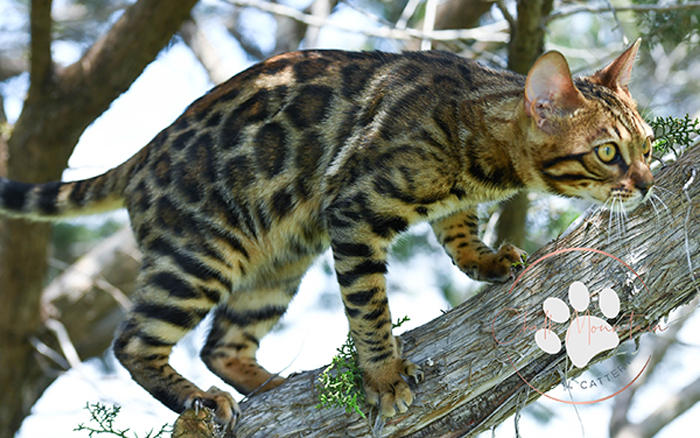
point(616, 76)
point(549, 90)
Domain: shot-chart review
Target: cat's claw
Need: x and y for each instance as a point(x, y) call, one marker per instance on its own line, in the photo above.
point(226, 410)
point(387, 389)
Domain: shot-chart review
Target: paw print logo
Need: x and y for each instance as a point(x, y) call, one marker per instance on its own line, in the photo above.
point(587, 335)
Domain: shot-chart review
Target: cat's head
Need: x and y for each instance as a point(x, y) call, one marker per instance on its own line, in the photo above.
point(596, 145)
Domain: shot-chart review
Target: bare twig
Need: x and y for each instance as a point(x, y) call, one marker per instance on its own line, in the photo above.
point(564, 12)
point(625, 40)
point(429, 23)
point(672, 408)
point(495, 32)
point(49, 352)
point(365, 12)
point(407, 13)
point(67, 347)
point(198, 42)
point(320, 9)
point(119, 296)
point(506, 13)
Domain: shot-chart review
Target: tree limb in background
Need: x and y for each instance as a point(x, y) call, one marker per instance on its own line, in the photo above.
point(199, 44)
point(451, 14)
point(565, 12)
point(491, 32)
point(659, 347)
point(471, 383)
point(12, 66)
point(320, 9)
point(670, 409)
point(247, 44)
point(90, 297)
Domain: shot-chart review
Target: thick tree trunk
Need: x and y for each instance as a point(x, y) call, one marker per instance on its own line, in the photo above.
point(526, 45)
point(60, 104)
point(473, 382)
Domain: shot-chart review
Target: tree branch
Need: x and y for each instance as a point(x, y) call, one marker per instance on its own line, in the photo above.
point(90, 297)
point(640, 9)
point(495, 32)
point(320, 9)
point(619, 421)
point(671, 409)
point(110, 66)
point(471, 381)
point(11, 66)
point(205, 53)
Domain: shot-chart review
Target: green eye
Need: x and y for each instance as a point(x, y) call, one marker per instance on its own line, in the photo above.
point(646, 147)
point(607, 152)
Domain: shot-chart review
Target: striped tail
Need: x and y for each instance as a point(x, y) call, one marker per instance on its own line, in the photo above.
point(57, 200)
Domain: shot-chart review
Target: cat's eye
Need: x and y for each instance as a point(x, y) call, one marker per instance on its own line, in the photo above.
point(607, 152)
point(646, 147)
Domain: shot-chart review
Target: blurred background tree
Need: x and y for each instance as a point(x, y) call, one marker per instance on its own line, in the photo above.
point(62, 63)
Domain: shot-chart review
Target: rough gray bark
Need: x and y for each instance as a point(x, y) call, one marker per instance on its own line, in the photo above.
point(470, 383)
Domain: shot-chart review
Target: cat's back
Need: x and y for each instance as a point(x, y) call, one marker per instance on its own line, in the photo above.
point(260, 146)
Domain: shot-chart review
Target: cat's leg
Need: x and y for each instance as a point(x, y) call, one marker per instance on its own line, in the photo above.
point(360, 250)
point(169, 304)
point(235, 336)
point(459, 235)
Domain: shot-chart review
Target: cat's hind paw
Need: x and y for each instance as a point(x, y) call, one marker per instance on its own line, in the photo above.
point(386, 388)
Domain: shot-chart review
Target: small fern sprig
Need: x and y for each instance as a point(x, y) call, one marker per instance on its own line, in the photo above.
point(340, 384)
point(103, 418)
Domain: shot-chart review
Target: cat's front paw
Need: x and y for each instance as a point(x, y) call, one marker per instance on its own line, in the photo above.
point(503, 265)
point(226, 410)
point(386, 388)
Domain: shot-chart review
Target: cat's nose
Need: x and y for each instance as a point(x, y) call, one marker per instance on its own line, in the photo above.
point(644, 184)
point(643, 179)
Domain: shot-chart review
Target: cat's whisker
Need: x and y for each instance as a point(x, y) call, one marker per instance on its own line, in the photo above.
point(619, 222)
point(623, 219)
point(658, 198)
point(656, 188)
point(611, 212)
point(652, 202)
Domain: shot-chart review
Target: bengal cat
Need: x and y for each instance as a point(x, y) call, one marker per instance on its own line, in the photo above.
point(316, 149)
